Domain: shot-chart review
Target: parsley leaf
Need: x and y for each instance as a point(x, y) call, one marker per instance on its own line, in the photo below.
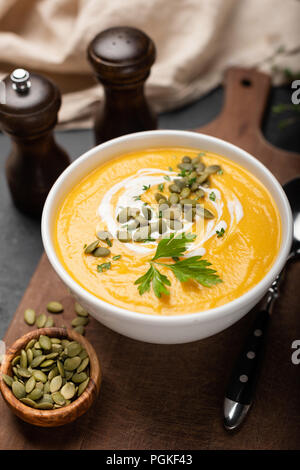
point(116, 257)
point(195, 268)
point(212, 196)
point(136, 198)
point(103, 267)
point(173, 246)
point(220, 233)
point(145, 188)
point(161, 187)
point(158, 281)
point(167, 178)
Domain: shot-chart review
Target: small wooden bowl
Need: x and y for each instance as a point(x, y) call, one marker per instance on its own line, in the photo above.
point(60, 416)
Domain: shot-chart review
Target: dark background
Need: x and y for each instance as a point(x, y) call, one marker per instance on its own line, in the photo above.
point(20, 238)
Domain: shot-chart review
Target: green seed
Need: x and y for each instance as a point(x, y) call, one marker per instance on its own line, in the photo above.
point(15, 360)
point(37, 361)
point(49, 323)
point(46, 364)
point(188, 202)
point(79, 377)
point(90, 248)
point(22, 372)
point(141, 234)
point(36, 394)
point(37, 345)
point(174, 198)
point(55, 340)
point(56, 384)
point(123, 216)
point(18, 390)
point(47, 386)
point(80, 310)
point(55, 307)
point(174, 188)
point(159, 197)
point(60, 368)
point(45, 343)
point(205, 213)
point(213, 169)
point(29, 316)
point(185, 166)
point(80, 321)
point(141, 221)
point(44, 405)
point(73, 349)
point(30, 384)
point(30, 344)
point(39, 385)
point(39, 376)
point(58, 398)
point(175, 224)
point(69, 375)
point(7, 379)
point(47, 398)
point(185, 193)
point(65, 342)
point(83, 354)
point(27, 401)
point(40, 323)
point(23, 359)
point(147, 213)
point(123, 236)
point(186, 159)
point(199, 193)
point(53, 373)
point(101, 252)
point(29, 354)
point(72, 363)
point(52, 355)
point(104, 236)
point(82, 387)
point(80, 330)
point(57, 348)
point(172, 214)
point(68, 391)
point(83, 365)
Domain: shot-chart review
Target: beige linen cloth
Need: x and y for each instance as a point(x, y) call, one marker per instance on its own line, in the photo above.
point(196, 41)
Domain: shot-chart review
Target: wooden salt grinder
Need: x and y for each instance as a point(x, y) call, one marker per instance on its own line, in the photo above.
point(28, 115)
point(121, 58)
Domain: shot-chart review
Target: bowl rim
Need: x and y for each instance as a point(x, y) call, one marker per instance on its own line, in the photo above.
point(77, 407)
point(255, 292)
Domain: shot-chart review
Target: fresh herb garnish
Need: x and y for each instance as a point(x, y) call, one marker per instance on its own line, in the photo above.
point(170, 168)
point(161, 187)
point(201, 154)
point(193, 268)
point(103, 267)
point(145, 188)
point(220, 172)
point(84, 246)
point(212, 196)
point(107, 240)
point(136, 198)
point(116, 257)
point(167, 178)
point(220, 233)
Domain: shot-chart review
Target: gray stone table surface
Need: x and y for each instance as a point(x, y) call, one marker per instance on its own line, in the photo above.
point(20, 239)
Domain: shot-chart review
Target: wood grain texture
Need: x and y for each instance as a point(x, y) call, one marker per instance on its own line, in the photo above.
point(62, 415)
point(171, 396)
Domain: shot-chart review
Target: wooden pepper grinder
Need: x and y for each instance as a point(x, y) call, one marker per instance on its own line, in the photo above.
point(28, 115)
point(121, 58)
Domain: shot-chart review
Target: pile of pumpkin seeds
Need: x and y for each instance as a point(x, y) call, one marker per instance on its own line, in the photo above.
point(185, 201)
point(42, 321)
point(49, 373)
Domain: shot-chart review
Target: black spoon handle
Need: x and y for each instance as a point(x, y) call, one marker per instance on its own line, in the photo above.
point(241, 387)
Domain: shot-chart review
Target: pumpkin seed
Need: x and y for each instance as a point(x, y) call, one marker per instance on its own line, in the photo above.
point(47, 387)
point(55, 307)
point(83, 365)
point(28, 401)
point(80, 329)
point(29, 354)
point(23, 359)
point(58, 398)
point(83, 354)
point(53, 373)
point(44, 405)
point(37, 345)
point(205, 213)
point(123, 236)
point(15, 360)
point(80, 321)
point(124, 215)
point(39, 385)
point(22, 372)
point(79, 377)
point(36, 394)
point(185, 193)
point(69, 375)
point(68, 391)
point(49, 323)
point(72, 363)
point(45, 342)
point(55, 340)
point(52, 355)
point(101, 252)
point(73, 349)
point(47, 398)
point(30, 384)
point(37, 352)
point(40, 323)
point(60, 368)
point(142, 221)
point(159, 197)
point(141, 234)
point(80, 310)
point(174, 198)
point(56, 384)
point(30, 344)
point(175, 224)
point(7, 379)
point(82, 387)
point(188, 202)
point(29, 316)
point(91, 247)
point(18, 390)
point(37, 361)
point(39, 376)
point(147, 213)
point(46, 364)
point(174, 188)
point(213, 169)
point(186, 159)
point(57, 348)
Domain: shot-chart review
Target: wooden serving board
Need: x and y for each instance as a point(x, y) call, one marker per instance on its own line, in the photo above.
point(171, 396)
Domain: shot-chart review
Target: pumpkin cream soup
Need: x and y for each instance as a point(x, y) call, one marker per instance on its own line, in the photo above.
point(168, 231)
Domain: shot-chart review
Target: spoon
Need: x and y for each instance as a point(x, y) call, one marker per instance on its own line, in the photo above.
point(241, 387)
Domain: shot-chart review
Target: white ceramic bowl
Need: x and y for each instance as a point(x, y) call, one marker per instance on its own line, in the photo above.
point(152, 328)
